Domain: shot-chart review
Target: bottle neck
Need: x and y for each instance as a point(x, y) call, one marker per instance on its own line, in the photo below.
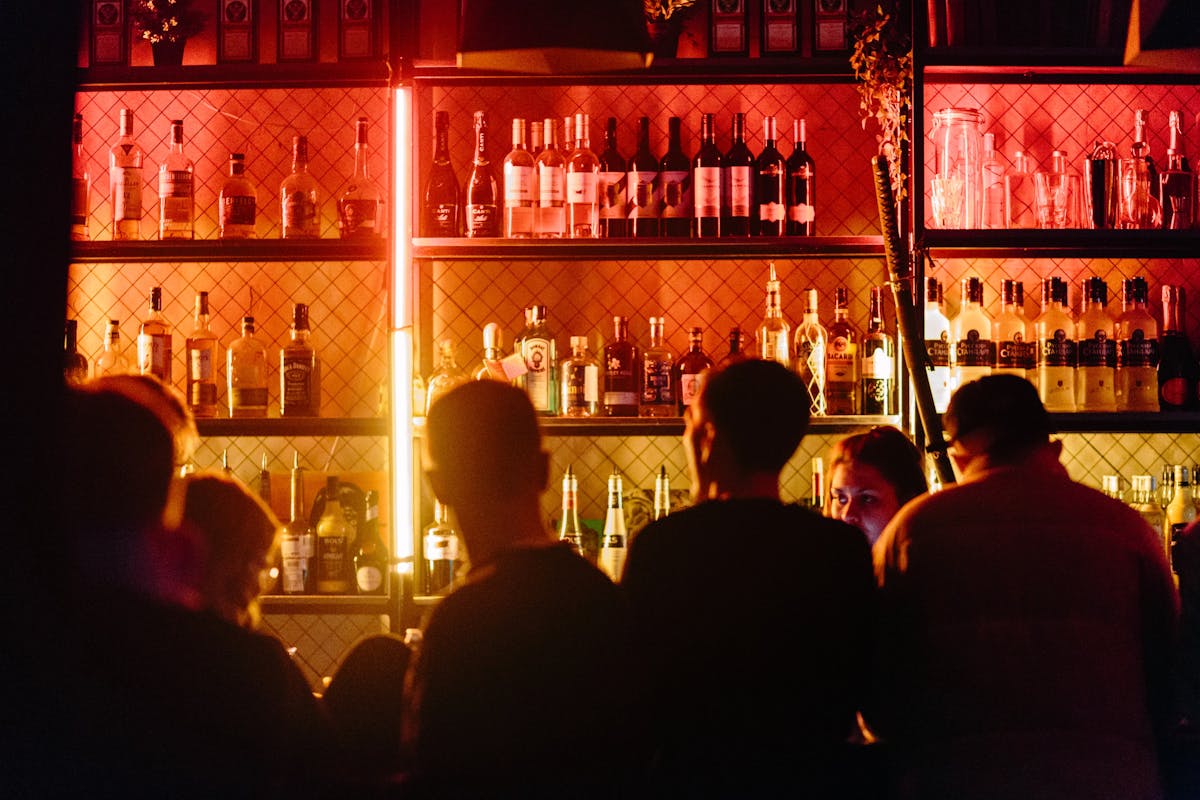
point(297, 510)
point(300, 157)
point(360, 160)
point(441, 146)
point(644, 137)
point(481, 156)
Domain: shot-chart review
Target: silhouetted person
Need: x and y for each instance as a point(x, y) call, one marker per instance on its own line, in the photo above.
point(871, 475)
point(1027, 622)
point(753, 615)
point(520, 686)
point(1185, 746)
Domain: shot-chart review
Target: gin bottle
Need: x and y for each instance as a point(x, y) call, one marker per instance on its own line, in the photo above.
point(583, 169)
point(298, 196)
point(125, 182)
point(1137, 349)
point(246, 373)
point(810, 348)
point(937, 344)
point(1057, 352)
point(1095, 378)
point(774, 334)
point(176, 193)
point(658, 366)
point(518, 186)
point(541, 363)
point(238, 202)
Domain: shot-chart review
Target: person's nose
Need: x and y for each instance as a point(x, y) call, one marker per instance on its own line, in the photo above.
point(850, 512)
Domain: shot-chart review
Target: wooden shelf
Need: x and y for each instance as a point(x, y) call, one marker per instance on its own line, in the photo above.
point(673, 426)
point(208, 250)
point(293, 426)
point(232, 76)
point(731, 247)
point(325, 604)
point(1034, 65)
point(1062, 243)
point(791, 69)
point(1162, 422)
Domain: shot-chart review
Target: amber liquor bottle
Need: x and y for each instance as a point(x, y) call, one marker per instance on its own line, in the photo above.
point(299, 370)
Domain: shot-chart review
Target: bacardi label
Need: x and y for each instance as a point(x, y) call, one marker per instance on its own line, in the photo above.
point(1138, 351)
point(1097, 351)
point(974, 351)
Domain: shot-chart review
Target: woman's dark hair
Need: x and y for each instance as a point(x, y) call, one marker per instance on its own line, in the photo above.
point(890, 452)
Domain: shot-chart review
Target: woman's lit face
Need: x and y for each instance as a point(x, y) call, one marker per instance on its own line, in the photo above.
point(859, 495)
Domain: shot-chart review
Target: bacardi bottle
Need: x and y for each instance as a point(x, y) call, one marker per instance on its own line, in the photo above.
point(154, 341)
point(841, 359)
point(583, 169)
point(613, 541)
point(691, 367)
point(621, 373)
point(1137, 349)
point(878, 361)
point(810, 347)
point(201, 362)
point(360, 208)
point(298, 196)
point(237, 205)
point(299, 370)
point(176, 191)
point(125, 182)
point(519, 199)
point(937, 344)
point(774, 334)
point(580, 381)
point(1095, 336)
point(246, 373)
point(1057, 352)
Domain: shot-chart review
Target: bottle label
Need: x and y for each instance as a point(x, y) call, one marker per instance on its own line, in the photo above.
point(444, 219)
point(79, 202)
point(1058, 351)
point(583, 385)
point(299, 212)
point(939, 350)
point(175, 195)
point(439, 547)
point(739, 191)
point(612, 398)
point(1173, 393)
point(332, 558)
point(154, 356)
point(481, 219)
point(518, 186)
point(643, 198)
point(1097, 351)
point(357, 216)
point(675, 187)
point(551, 189)
point(610, 190)
point(772, 212)
point(581, 187)
point(248, 397)
point(368, 578)
point(202, 393)
point(878, 365)
point(707, 191)
point(127, 193)
point(296, 391)
point(656, 384)
point(1013, 353)
point(689, 386)
point(537, 376)
point(802, 213)
point(877, 395)
point(974, 351)
point(238, 210)
point(1138, 351)
point(294, 569)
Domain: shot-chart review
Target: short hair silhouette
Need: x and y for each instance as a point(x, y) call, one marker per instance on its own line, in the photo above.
point(889, 452)
point(166, 402)
point(1005, 407)
point(365, 702)
point(761, 408)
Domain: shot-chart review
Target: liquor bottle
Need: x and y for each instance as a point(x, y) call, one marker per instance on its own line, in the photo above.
point(296, 542)
point(334, 535)
point(112, 359)
point(973, 352)
point(993, 184)
point(154, 356)
point(75, 366)
point(580, 381)
point(644, 197)
point(1055, 331)
point(443, 201)
point(299, 370)
point(1180, 512)
point(518, 186)
point(738, 178)
point(493, 354)
point(1137, 349)
point(801, 184)
point(611, 186)
point(583, 169)
point(1020, 202)
point(200, 363)
point(658, 368)
point(621, 373)
point(841, 359)
point(1178, 373)
point(81, 185)
point(237, 206)
point(1143, 499)
point(691, 366)
point(264, 480)
point(360, 208)
point(550, 220)
point(371, 557)
point(125, 182)
point(662, 493)
point(569, 529)
point(535, 140)
point(1095, 337)
point(811, 346)
point(446, 376)
point(878, 362)
point(770, 187)
point(481, 194)
point(774, 334)
point(1011, 332)
point(246, 374)
point(937, 344)
point(614, 539)
point(298, 195)
point(541, 363)
point(440, 545)
point(737, 347)
point(1141, 148)
point(706, 182)
point(1176, 183)
point(176, 193)
point(816, 497)
point(675, 185)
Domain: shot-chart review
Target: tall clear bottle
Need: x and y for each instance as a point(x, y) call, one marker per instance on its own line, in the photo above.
point(580, 381)
point(541, 363)
point(440, 546)
point(550, 219)
point(810, 348)
point(481, 195)
point(569, 529)
point(937, 344)
point(246, 373)
point(334, 537)
point(1179, 513)
point(360, 208)
point(1020, 201)
point(974, 351)
point(658, 367)
point(1057, 352)
point(1095, 337)
point(446, 376)
point(154, 351)
point(176, 190)
point(111, 360)
point(1137, 349)
point(622, 358)
point(770, 189)
point(238, 202)
point(201, 362)
point(297, 546)
point(1177, 183)
point(993, 184)
point(675, 185)
point(841, 358)
point(691, 367)
point(442, 206)
point(1012, 332)
point(1178, 373)
point(878, 361)
point(801, 184)
point(774, 334)
point(738, 176)
point(583, 170)
point(611, 187)
point(706, 181)
point(299, 196)
point(125, 182)
point(614, 540)
point(519, 199)
point(643, 195)
point(299, 370)
point(81, 184)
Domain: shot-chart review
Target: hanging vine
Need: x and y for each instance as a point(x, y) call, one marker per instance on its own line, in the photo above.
point(883, 66)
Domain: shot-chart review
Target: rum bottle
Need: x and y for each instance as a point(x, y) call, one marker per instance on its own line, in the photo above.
point(583, 169)
point(442, 202)
point(644, 198)
point(1095, 336)
point(481, 193)
point(541, 363)
point(237, 205)
point(154, 356)
point(81, 185)
point(334, 535)
point(737, 184)
point(440, 546)
point(125, 182)
point(1057, 352)
point(246, 373)
point(360, 206)
point(937, 344)
point(841, 359)
point(1011, 332)
point(298, 195)
point(974, 351)
point(1178, 373)
point(801, 184)
point(770, 188)
point(706, 181)
point(611, 186)
point(371, 556)
point(446, 376)
point(200, 364)
point(176, 192)
point(810, 347)
point(621, 372)
point(569, 529)
point(296, 542)
point(112, 359)
point(675, 185)
point(550, 220)
point(1176, 183)
point(774, 334)
point(691, 367)
point(614, 539)
point(518, 186)
point(299, 370)
point(580, 381)
point(1137, 349)
point(878, 362)
point(75, 366)
point(658, 367)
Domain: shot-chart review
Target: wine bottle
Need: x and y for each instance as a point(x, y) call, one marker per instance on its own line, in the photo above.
point(614, 539)
point(75, 366)
point(334, 534)
point(481, 193)
point(518, 186)
point(643, 199)
point(771, 184)
point(569, 529)
point(550, 219)
point(737, 184)
point(801, 185)
point(706, 180)
point(878, 361)
point(81, 184)
point(583, 170)
point(1178, 374)
point(675, 185)
point(442, 200)
point(440, 545)
point(611, 186)
point(371, 558)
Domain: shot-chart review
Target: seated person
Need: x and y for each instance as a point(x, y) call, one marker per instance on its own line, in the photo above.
point(871, 475)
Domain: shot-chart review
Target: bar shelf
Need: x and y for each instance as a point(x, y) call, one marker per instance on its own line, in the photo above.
point(664, 71)
point(731, 247)
point(326, 604)
point(225, 250)
point(1061, 243)
point(232, 76)
point(1187, 422)
point(293, 426)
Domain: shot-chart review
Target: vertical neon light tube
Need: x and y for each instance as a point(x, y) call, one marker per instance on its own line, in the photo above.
point(403, 485)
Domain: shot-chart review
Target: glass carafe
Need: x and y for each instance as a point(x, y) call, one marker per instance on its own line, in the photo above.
point(956, 188)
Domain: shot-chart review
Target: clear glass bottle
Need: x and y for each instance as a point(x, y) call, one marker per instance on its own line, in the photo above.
point(993, 184)
point(154, 351)
point(811, 345)
point(841, 358)
point(937, 344)
point(550, 219)
point(770, 189)
point(878, 361)
point(440, 546)
point(973, 351)
point(675, 190)
point(644, 196)
point(622, 360)
point(481, 195)
point(1177, 183)
point(583, 170)
point(580, 381)
point(569, 529)
point(237, 205)
point(443, 200)
point(1144, 500)
point(360, 208)
point(706, 181)
point(81, 184)
point(1011, 332)
point(614, 539)
point(75, 366)
point(1020, 201)
point(738, 175)
point(1178, 373)
point(446, 376)
point(1095, 337)
point(334, 537)
point(246, 373)
point(662, 493)
point(299, 196)
point(176, 190)
point(299, 370)
point(801, 184)
point(297, 547)
point(1057, 352)
point(1140, 148)
point(541, 363)
point(493, 355)
point(371, 556)
point(1137, 349)
point(611, 186)
point(774, 334)
point(1180, 512)
point(519, 198)
point(658, 367)
point(691, 367)
point(112, 360)
point(125, 182)
point(200, 366)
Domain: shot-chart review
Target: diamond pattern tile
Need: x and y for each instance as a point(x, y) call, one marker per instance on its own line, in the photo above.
point(322, 640)
point(1088, 457)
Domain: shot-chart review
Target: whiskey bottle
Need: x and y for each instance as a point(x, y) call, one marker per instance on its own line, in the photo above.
point(446, 376)
point(811, 346)
point(440, 546)
point(541, 363)
point(299, 370)
point(334, 535)
point(481, 195)
point(974, 351)
point(550, 219)
point(801, 185)
point(692, 365)
point(246, 374)
point(611, 186)
point(371, 557)
point(737, 184)
point(583, 169)
point(658, 367)
point(1011, 332)
point(298, 195)
point(737, 348)
point(442, 202)
point(1137, 349)
point(1176, 183)
point(518, 186)
point(706, 181)
point(154, 356)
point(81, 185)
point(75, 366)
point(238, 202)
point(200, 366)
point(937, 344)
point(662, 493)
point(1095, 336)
point(580, 381)
point(644, 198)
point(112, 359)
point(614, 539)
point(296, 542)
point(569, 529)
point(621, 373)
point(1178, 373)
point(125, 182)
point(841, 359)
point(176, 191)
point(770, 189)
point(878, 362)
point(675, 185)
point(360, 207)
point(1057, 352)
point(774, 334)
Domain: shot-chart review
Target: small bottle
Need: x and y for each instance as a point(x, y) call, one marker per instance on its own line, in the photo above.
point(644, 198)
point(692, 366)
point(1144, 500)
point(993, 184)
point(1011, 332)
point(440, 546)
point(238, 202)
point(878, 362)
point(811, 346)
point(446, 376)
point(706, 182)
point(738, 175)
point(662, 494)
point(774, 334)
point(371, 558)
point(611, 186)
point(675, 185)
point(493, 354)
point(298, 196)
point(541, 363)
point(621, 373)
point(1020, 202)
point(1141, 147)
point(801, 184)
point(360, 206)
point(937, 344)
point(1176, 183)
point(75, 366)
point(580, 381)
point(112, 359)
point(1137, 349)
point(974, 351)
point(518, 186)
point(658, 368)
point(1095, 336)
point(841, 359)
point(550, 219)
point(443, 201)
point(1180, 512)
point(770, 188)
point(816, 497)
point(154, 356)
point(1057, 353)
point(481, 195)
point(264, 480)
point(334, 536)
point(569, 529)
point(125, 182)
point(246, 374)
point(1178, 373)
point(200, 365)
point(176, 192)
point(299, 370)
point(737, 347)
point(614, 539)
point(81, 185)
point(583, 169)
point(296, 542)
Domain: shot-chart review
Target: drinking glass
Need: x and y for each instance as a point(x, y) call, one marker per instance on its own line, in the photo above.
point(1054, 197)
point(946, 197)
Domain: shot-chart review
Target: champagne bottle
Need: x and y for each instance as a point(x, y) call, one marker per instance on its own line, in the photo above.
point(569, 529)
point(614, 539)
point(481, 193)
point(611, 186)
point(442, 202)
point(801, 185)
point(1178, 374)
point(371, 558)
point(706, 181)
point(334, 535)
point(737, 184)
point(675, 185)
point(644, 198)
